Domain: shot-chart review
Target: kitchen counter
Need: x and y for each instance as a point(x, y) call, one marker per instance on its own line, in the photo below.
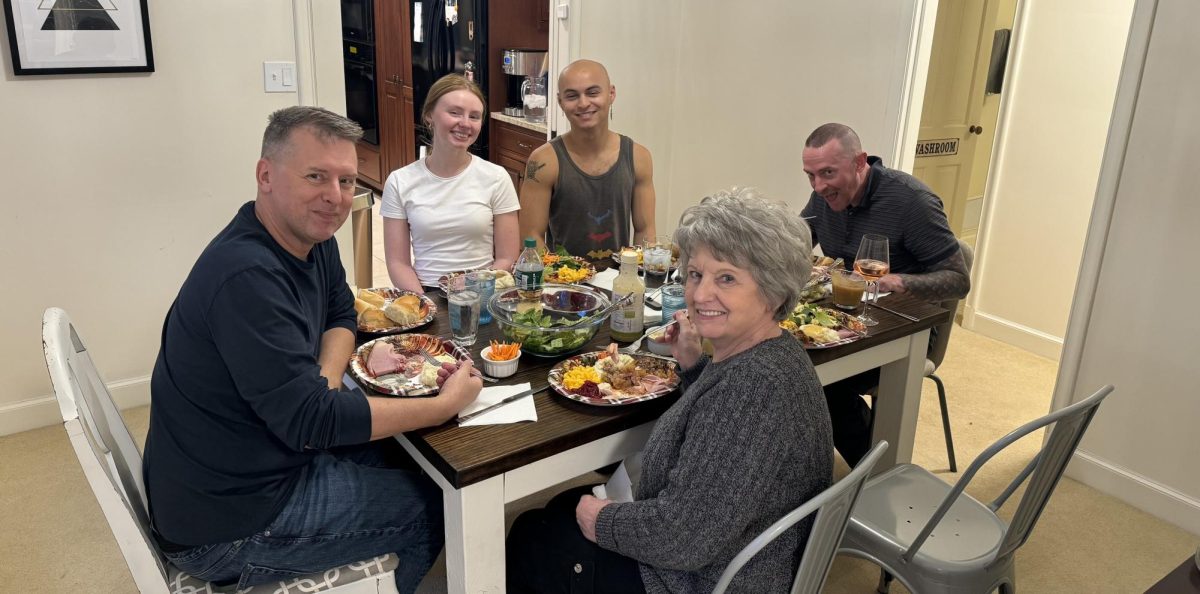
point(522, 122)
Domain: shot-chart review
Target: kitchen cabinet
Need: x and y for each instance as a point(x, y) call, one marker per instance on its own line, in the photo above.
point(397, 144)
point(511, 146)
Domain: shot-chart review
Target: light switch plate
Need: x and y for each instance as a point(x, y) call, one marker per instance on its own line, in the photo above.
point(279, 77)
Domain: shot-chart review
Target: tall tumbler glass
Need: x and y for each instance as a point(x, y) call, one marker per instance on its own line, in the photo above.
point(463, 297)
point(485, 280)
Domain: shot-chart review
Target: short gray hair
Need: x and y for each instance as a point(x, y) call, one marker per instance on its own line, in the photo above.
point(325, 124)
point(741, 227)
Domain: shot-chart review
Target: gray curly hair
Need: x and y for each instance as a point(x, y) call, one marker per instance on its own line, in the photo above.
point(741, 227)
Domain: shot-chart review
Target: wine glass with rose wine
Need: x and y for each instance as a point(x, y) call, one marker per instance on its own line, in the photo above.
point(872, 263)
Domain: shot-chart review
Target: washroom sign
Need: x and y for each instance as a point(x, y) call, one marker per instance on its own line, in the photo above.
point(938, 147)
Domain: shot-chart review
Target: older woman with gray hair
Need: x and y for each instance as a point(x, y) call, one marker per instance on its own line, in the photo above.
point(748, 441)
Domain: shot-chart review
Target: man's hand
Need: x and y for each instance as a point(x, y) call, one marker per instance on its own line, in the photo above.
point(586, 512)
point(458, 387)
point(891, 283)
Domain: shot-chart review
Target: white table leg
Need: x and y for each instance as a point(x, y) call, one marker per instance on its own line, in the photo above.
point(475, 537)
point(899, 401)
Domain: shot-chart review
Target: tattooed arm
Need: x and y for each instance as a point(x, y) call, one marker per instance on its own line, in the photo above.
point(541, 173)
point(945, 280)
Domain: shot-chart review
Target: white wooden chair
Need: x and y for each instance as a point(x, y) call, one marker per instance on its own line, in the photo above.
point(832, 508)
point(113, 467)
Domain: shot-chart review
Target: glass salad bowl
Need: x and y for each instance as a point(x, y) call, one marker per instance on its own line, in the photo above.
point(561, 321)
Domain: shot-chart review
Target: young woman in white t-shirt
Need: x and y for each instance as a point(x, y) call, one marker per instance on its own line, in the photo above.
point(454, 210)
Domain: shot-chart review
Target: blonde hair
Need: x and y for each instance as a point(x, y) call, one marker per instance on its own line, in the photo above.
point(444, 86)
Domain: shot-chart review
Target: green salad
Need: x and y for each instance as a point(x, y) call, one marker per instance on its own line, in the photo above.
point(546, 341)
point(807, 313)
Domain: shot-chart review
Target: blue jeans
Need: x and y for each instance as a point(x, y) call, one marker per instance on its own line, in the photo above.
point(349, 505)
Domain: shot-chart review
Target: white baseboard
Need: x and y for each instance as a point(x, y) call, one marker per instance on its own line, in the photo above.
point(43, 411)
point(1020, 336)
point(1136, 490)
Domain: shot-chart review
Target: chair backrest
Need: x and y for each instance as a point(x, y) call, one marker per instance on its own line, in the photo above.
point(833, 507)
point(105, 448)
point(941, 332)
point(1045, 469)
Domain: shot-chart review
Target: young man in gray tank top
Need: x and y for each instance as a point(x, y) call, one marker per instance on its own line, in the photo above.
point(586, 188)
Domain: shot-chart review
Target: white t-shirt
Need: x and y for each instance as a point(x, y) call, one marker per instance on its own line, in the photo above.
point(449, 218)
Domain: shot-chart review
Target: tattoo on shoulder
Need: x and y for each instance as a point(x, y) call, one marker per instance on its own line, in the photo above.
point(532, 168)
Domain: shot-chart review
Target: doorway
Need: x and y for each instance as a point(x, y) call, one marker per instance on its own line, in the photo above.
point(958, 121)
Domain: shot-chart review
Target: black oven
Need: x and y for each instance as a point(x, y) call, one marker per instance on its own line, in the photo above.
point(358, 21)
point(361, 100)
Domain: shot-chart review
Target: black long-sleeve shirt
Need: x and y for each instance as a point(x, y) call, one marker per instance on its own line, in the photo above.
point(238, 405)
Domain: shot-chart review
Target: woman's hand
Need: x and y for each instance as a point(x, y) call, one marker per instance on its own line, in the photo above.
point(684, 339)
point(585, 515)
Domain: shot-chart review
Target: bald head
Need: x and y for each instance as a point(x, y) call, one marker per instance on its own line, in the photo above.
point(591, 70)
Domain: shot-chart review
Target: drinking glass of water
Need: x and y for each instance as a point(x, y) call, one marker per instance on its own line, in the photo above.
point(463, 297)
point(486, 283)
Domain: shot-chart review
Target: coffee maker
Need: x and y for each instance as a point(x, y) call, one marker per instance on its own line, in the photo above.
point(526, 88)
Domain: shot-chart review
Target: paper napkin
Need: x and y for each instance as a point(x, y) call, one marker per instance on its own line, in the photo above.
point(513, 412)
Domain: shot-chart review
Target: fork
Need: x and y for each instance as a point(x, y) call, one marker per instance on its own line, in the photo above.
point(430, 359)
point(633, 346)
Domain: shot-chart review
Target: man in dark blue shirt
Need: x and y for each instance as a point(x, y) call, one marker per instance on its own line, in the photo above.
point(253, 467)
point(854, 195)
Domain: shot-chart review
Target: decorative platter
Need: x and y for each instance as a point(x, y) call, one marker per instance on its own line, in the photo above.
point(427, 310)
point(635, 378)
point(395, 365)
point(820, 327)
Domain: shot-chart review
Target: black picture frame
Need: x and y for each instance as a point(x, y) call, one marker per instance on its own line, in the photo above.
point(78, 36)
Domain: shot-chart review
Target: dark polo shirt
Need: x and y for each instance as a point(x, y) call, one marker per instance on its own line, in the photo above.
point(895, 205)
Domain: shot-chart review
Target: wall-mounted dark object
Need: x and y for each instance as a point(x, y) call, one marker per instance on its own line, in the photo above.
point(999, 59)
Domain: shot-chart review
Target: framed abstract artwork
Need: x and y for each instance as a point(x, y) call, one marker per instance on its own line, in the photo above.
point(78, 36)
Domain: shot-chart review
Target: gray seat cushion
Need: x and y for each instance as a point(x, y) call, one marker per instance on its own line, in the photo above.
point(182, 583)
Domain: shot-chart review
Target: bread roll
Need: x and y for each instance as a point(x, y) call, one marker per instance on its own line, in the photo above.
point(411, 302)
point(372, 297)
point(362, 307)
point(504, 280)
point(373, 318)
point(403, 311)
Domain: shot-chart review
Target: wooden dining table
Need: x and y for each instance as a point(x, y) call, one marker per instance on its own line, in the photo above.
point(482, 468)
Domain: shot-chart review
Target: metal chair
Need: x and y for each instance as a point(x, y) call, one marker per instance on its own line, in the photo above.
point(937, 352)
point(833, 507)
point(113, 467)
point(972, 549)
point(938, 344)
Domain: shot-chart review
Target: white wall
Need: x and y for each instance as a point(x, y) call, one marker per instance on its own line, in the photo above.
point(1053, 120)
point(115, 183)
point(1127, 326)
point(723, 95)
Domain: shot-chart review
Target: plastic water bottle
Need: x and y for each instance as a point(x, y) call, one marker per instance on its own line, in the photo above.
point(528, 274)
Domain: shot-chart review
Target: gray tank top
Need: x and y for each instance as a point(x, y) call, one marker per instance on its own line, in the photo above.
point(591, 212)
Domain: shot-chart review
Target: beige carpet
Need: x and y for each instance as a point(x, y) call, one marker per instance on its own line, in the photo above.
point(57, 541)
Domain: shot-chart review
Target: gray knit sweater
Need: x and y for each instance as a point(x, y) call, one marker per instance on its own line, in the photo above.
point(748, 441)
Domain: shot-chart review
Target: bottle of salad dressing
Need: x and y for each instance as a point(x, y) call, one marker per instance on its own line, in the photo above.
point(626, 323)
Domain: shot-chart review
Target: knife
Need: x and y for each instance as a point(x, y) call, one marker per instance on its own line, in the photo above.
point(513, 398)
point(894, 312)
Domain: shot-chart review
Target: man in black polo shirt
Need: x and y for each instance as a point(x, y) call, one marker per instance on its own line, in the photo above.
point(252, 467)
point(854, 195)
